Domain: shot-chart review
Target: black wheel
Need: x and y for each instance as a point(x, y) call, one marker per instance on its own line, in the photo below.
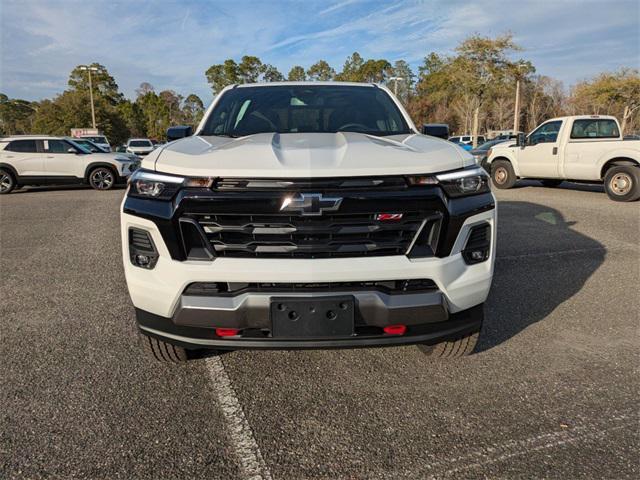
point(502, 174)
point(459, 347)
point(102, 178)
point(7, 182)
point(622, 183)
point(551, 182)
point(163, 351)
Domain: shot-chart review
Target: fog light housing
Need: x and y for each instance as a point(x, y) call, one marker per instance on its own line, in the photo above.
point(478, 246)
point(143, 260)
point(142, 251)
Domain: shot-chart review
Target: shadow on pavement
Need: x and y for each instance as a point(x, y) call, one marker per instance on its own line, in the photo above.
point(579, 187)
point(541, 262)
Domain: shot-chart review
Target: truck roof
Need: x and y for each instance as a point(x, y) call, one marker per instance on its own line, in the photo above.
point(582, 117)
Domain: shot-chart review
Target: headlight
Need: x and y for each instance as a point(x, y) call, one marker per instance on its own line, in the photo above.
point(469, 181)
point(162, 186)
point(464, 182)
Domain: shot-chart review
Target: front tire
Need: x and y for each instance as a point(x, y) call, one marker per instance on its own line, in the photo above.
point(622, 183)
point(456, 348)
point(163, 351)
point(502, 174)
point(7, 182)
point(102, 178)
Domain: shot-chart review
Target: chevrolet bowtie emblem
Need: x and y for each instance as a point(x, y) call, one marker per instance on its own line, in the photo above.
point(310, 204)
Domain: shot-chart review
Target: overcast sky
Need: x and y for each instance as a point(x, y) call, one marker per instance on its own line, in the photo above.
point(170, 44)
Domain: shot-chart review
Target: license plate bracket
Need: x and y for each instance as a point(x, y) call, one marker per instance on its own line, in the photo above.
point(304, 317)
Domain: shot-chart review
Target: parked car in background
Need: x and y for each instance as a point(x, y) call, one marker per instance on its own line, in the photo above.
point(506, 134)
point(268, 230)
point(99, 140)
point(467, 139)
point(140, 146)
point(465, 146)
point(631, 137)
point(481, 153)
point(49, 160)
point(122, 150)
point(93, 147)
point(587, 148)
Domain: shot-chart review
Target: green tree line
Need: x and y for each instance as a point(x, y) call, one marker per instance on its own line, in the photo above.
point(476, 84)
point(119, 118)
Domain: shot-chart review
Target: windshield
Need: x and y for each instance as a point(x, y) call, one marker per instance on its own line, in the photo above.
point(140, 143)
point(309, 109)
point(82, 148)
point(88, 145)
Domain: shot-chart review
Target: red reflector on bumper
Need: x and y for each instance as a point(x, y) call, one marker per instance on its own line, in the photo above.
point(395, 329)
point(226, 332)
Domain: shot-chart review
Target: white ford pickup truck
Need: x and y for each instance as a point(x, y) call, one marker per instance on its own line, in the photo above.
point(586, 148)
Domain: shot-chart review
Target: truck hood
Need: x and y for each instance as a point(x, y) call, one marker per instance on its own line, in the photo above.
point(307, 155)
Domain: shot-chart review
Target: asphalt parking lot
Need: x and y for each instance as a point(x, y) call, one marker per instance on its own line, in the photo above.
point(552, 392)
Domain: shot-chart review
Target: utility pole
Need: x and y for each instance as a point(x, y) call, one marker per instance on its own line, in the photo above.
point(395, 84)
point(93, 111)
point(516, 113)
point(476, 114)
point(516, 109)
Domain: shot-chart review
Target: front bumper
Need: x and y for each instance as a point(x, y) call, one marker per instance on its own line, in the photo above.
point(458, 324)
point(452, 307)
point(159, 290)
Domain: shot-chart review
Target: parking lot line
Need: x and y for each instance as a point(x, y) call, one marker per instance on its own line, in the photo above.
point(251, 462)
point(515, 448)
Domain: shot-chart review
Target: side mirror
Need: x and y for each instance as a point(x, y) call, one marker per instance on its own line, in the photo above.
point(71, 150)
point(521, 140)
point(179, 131)
point(440, 130)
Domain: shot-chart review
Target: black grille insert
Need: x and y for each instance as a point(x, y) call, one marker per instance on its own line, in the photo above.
point(326, 236)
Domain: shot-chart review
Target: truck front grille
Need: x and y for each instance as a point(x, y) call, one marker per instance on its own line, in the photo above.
point(327, 236)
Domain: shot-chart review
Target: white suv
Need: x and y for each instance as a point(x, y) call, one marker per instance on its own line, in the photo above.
point(308, 215)
point(47, 160)
point(140, 146)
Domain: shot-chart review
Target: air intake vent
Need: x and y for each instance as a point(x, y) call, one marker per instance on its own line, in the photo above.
point(195, 243)
point(140, 239)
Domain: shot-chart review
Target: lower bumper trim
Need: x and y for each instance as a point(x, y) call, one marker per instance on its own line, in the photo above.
point(461, 323)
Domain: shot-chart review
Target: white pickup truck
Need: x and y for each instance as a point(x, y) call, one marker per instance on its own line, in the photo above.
point(585, 148)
